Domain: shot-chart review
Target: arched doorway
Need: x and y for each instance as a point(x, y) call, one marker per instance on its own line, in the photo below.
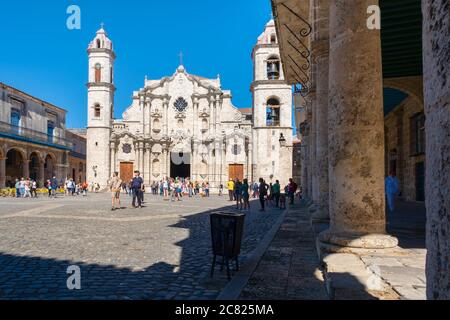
point(14, 167)
point(34, 166)
point(49, 167)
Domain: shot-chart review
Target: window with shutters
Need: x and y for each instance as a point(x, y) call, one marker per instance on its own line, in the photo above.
point(417, 134)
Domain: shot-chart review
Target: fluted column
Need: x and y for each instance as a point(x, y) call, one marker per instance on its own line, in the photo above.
point(436, 53)
point(356, 133)
point(2, 172)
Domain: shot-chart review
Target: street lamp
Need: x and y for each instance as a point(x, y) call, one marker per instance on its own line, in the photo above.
point(282, 141)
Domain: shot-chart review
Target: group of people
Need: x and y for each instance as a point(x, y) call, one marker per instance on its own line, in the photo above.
point(268, 194)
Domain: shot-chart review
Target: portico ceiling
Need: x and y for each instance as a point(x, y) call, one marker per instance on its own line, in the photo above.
point(401, 38)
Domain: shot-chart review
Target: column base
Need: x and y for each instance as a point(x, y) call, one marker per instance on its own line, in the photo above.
point(353, 243)
point(320, 216)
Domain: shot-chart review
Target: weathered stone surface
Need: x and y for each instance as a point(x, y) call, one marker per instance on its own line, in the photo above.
point(436, 32)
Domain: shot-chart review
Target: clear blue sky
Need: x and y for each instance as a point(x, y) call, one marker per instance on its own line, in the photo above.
point(40, 56)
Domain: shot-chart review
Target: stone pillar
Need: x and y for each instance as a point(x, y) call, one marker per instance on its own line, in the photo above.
point(436, 32)
point(26, 169)
point(356, 133)
point(113, 158)
point(312, 148)
point(141, 157)
point(166, 116)
point(41, 181)
point(320, 53)
point(2, 172)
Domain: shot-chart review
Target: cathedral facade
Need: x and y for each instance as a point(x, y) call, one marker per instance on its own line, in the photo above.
point(185, 125)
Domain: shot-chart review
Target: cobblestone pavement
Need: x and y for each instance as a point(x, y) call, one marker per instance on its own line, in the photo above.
point(159, 252)
point(289, 269)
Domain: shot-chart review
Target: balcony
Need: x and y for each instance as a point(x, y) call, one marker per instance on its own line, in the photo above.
point(8, 130)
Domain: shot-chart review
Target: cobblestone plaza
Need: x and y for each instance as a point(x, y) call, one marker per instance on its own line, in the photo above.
point(162, 251)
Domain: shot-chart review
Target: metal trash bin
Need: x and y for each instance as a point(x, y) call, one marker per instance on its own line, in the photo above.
point(226, 234)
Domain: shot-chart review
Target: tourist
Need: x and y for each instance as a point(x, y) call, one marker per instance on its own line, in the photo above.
point(276, 189)
point(292, 189)
point(115, 185)
point(392, 190)
point(207, 189)
point(54, 186)
point(136, 187)
point(245, 195)
point(255, 187)
point(84, 188)
point(191, 189)
point(238, 193)
point(34, 189)
point(230, 186)
point(17, 186)
point(27, 189)
point(166, 188)
point(221, 190)
point(197, 188)
point(22, 187)
point(263, 187)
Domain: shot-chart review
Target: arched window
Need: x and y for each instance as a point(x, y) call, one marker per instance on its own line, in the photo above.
point(98, 72)
point(273, 39)
point(273, 68)
point(97, 111)
point(99, 44)
point(273, 112)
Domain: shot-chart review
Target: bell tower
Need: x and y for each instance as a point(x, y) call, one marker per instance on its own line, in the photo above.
point(272, 111)
point(100, 108)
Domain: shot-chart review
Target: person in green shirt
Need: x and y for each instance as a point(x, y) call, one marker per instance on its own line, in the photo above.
point(276, 193)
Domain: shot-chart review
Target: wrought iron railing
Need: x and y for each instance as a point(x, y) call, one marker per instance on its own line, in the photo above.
point(33, 135)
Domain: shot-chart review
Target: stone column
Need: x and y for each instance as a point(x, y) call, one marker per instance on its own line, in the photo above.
point(41, 173)
point(113, 158)
point(141, 157)
point(166, 116)
point(436, 32)
point(320, 51)
point(26, 169)
point(142, 107)
point(2, 172)
point(356, 133)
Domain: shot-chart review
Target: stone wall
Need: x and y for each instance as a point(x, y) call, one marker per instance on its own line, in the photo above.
point(398, 122)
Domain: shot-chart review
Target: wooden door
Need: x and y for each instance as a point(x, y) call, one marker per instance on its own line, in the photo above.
point(236, 171)
point(126, 171)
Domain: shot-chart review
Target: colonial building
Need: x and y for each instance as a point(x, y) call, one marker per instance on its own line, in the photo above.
point(185, 125)
point(32, 138)
point(77, 156)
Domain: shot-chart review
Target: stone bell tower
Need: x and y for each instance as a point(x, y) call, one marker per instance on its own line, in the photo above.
point(272, 111)
point(100, 108)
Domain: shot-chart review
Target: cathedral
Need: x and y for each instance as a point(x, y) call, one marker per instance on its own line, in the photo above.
point(185, 125)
